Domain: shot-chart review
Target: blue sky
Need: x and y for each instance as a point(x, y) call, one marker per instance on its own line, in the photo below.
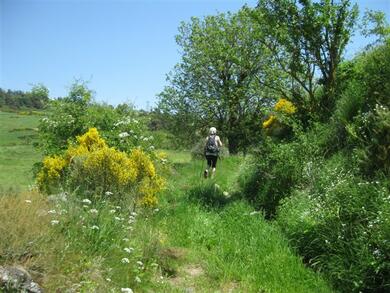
point(124, 49)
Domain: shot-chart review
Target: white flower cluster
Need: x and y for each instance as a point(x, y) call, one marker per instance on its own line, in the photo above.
point(126, 121)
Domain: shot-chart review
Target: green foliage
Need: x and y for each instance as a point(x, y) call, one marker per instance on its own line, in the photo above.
point(36, 98)
point(374, 23)
point(66, 118)
point(338, 224)
point(73, 115)
point(269, 175)
point(214, 84)
point(305, 37)
point(363, 109)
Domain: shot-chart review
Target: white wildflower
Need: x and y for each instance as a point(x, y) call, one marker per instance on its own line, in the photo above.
point(108, 193)
point(123, 135)
point(156, 210)
point(52, 212)
point(54, 222)
point(94, 227)
point(225, 193)
point(108, 279)
point(125, 260)
point(137, 279)
point(140, 263)
point(28, 201)
point(112, 211)
point(134, 214)
point(126, 290)
point(254, 213)
point(93, 211)
point(128, 249)
point(86, 201)
point(126, 239)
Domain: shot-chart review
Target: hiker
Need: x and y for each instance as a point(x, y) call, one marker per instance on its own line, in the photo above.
point(211, 151)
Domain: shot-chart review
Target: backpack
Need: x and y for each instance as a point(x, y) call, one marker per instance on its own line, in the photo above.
point(211, 147)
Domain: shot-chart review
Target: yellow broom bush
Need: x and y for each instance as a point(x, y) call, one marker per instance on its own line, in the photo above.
point(92, 167)
point(282, 107)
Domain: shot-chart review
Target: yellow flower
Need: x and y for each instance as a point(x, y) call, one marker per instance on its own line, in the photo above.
point(96, 165)
point(267, 123)
point(91, 140)
point(51, 170)
point(285, 106)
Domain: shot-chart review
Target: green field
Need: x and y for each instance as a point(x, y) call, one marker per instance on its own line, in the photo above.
point(17, 153)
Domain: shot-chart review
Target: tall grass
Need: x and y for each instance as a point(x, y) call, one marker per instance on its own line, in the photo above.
point(233, 243)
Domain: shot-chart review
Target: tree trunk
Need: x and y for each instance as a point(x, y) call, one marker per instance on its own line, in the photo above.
point(233, 143)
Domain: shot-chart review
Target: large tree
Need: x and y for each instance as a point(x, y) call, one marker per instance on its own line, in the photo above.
point(307, 40)
point(216, 80)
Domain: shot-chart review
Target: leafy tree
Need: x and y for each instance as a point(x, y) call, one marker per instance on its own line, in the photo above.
point(37, 98)
point(215, 82)
point(66, 118)
point(374, 23)
point(307, 40)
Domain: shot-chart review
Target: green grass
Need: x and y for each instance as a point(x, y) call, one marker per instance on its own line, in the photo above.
point(17, 154)
point(235, 249)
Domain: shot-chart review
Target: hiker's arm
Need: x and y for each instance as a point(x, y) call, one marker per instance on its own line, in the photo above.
point(219, 142)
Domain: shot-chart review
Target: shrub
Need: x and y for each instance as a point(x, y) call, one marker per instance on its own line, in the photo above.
point(93, 168)
point(338, 224)
point(270, 174)
point(362, 113)
point(280, 123)
point(370, 133)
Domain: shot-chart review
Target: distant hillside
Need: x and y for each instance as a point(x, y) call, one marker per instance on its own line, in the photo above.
point(16, 99)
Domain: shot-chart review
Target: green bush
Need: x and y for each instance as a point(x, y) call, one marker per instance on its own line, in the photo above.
point(122, 127)
point(362, 112)
point(340, 224)
point(269, 175)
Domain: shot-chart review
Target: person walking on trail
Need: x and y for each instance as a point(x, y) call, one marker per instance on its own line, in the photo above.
point(211, 151)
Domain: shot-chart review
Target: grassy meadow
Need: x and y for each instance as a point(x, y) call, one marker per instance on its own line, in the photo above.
point(17, 153)
point(200, 238)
